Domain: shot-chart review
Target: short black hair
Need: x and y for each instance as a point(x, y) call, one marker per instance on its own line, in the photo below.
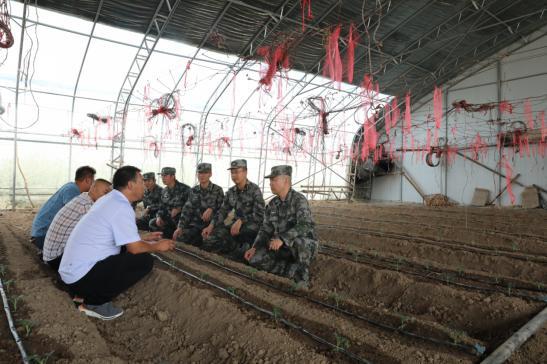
point(102, 180)
point(123, 175)
point(84, 172)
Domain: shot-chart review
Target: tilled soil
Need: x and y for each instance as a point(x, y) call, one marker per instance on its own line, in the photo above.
point(392, 284)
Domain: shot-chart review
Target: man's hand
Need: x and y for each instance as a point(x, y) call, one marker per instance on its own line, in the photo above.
point(249, 254)
point(164, 245)
point(234, 230)
point(175, 212)
point(207, 231)
point(156, 235)
point(206, 216)
point(275, 244)
point(177, 233)
point(146, 212)
point(159, 222)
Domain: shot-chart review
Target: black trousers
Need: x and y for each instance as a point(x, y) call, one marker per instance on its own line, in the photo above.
point(192, 235)
point(112, 276)
point(55, 263)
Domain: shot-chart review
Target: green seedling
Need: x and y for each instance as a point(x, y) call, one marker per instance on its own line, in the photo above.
point(457, 336)
point(404, 321)
point(497, 280)
point(515, 246)
point(204, 276)
point(252, 271)
point(8, 283)
point(448, 278)
point(38, 359)
point(15, 301)
point(232, 290)
point(509, 288)
point(460, 271)
point(540, 286)
point(27, 325)
point(2, 270)
point(276, 313)
point(342, 343)
point(337, 298)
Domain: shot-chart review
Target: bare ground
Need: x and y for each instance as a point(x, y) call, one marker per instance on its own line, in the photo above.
point(392, 284)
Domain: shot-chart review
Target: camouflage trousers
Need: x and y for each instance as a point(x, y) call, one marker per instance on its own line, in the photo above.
point(289, 261)
point(169, 227)
point(191, 235)
point(221, 241)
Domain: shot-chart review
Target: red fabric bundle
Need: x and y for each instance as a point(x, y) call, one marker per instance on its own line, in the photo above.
point(508, 177)
point(395, 112)
point(278, 60)
point(408, 119)
point(387, 117)
point(506, 107)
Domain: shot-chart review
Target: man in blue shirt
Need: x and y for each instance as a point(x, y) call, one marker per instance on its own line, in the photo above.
point(104, 254)
point(83, 180)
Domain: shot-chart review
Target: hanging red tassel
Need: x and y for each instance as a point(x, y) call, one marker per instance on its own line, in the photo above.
point(395, 112)
point(428, 140)
point(387, 117)
point(309, 16)
point(437, 106)
point(333, 62)
point(543, 126)
point(528, 114)
point(408, 119)
point(350, 54)
point(508, 178)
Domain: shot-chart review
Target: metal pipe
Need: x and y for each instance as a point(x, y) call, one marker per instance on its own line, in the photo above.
point(11, 325)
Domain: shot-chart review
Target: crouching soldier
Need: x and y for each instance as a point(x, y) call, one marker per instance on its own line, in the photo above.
point(287, 242)
point(173, 197)
point(203, 203)
point(234, 227)
point(151, 201)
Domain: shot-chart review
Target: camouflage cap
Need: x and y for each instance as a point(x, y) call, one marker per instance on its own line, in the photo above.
point(280, 171)
point(168, 170)
point(238, 163)
point(148, 175)
point(204, 167)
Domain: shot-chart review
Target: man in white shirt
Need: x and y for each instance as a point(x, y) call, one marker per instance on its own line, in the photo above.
point(66, 219)
point(104, 254)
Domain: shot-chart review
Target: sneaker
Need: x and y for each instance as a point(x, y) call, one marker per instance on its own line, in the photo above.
point(106, 311)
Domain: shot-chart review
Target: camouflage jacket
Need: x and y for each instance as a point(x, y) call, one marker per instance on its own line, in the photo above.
point(199, 201)
point(152, 199)
point(173, 198)
point(287, 220)
point(247, 205)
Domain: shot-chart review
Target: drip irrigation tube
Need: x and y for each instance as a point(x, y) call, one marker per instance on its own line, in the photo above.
point(480, 250)
point(439, 279)
point(476, 349)
point(265, 311)
point(12, 328)
point(326, 247)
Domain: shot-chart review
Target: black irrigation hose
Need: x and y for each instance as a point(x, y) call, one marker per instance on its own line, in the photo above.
point(286, 322)
point(434, 270)
point(444, 281)
point(11, 325)
point(476, 349)
point(437, 243)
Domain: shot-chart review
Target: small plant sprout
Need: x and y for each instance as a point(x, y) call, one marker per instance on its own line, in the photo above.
point(448, 278)
point(27, 326)
point(460, 271)
point(252, 271)
point(342, 343)
point(509, 288)
point(276, 313)
point(336, 297)
point(232, 290)
point(40, 359)
point(404, 321)
point(515, 246)
point(15, 301)
point(457, 336)
point(540, 286)
point(8, 283)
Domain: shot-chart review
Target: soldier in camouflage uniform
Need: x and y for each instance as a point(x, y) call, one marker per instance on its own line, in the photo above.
point(173, 197)
point(287, 241)
point(151, 201)
point(234, 227)
point(203, 203)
